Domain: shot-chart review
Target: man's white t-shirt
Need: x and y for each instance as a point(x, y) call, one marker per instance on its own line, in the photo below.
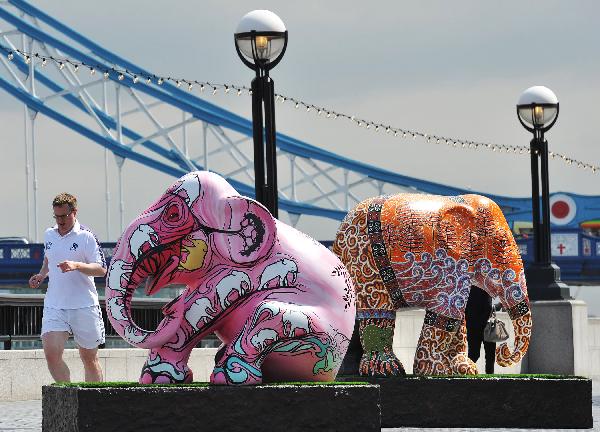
point(71, 290)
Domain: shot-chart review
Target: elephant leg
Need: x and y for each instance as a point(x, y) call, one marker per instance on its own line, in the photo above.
point(274, 329)
point(235, 367)
point(378, 358)
point(460, 363)
point(238, 362)
point(167, 366)
point(441, 349)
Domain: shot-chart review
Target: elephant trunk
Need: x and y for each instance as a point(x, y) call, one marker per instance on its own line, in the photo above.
point(118, 305)
point(522, 327)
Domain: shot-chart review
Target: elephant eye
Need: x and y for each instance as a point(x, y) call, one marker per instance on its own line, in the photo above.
point(172, 213)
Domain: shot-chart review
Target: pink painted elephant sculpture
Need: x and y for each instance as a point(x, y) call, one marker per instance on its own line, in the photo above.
point(281, 303)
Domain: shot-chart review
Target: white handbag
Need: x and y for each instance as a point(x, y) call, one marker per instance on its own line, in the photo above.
point(494, 330)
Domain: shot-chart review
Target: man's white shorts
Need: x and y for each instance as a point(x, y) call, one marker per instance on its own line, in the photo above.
point(85, 324)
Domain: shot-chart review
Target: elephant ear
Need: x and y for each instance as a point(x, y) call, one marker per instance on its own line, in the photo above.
point(244, 230)
point(456, 228)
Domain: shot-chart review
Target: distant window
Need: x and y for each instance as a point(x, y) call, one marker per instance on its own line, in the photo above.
point(20, 253)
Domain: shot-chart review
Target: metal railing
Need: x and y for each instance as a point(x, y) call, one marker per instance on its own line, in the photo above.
point(21, 317)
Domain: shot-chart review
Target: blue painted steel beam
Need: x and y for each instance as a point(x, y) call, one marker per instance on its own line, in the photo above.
point(107, 120)
point(239, 124)
point(125, 152)
point(114, 146)
point(514, 208)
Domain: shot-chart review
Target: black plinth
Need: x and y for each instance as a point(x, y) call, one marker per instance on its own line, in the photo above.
point(351, 362)
point(484, 402)
point(333, 407)
point(543, 283)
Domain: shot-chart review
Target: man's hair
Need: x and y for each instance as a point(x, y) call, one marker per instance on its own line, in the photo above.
point(65, 198)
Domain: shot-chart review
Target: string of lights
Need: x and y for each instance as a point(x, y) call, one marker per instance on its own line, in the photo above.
point(136, 77)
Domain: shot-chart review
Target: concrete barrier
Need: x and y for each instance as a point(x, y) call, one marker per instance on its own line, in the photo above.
point(594, 347)
point(24, 372)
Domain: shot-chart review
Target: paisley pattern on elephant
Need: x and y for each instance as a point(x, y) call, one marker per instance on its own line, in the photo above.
point(413, 250)
point(276, 298)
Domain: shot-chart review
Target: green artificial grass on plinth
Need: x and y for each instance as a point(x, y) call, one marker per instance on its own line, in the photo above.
point(129, 384)
point(356, 381)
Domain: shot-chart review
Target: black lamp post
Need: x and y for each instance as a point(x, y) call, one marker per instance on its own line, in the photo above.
point(537, 110)
point(260, 41)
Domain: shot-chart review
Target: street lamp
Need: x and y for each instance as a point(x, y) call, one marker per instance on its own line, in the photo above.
point(537, 110)
point(260, 41)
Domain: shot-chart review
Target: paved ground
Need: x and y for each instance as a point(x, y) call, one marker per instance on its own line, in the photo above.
point(21, 416)
point(27, 416)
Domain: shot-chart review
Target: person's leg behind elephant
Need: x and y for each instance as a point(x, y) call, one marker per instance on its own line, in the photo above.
point(477, 312)
point(490, 356)
point(474, 340)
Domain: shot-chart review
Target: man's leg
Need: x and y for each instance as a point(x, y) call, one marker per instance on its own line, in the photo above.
point(54, 345)
point(91, 364)
point(88, 331)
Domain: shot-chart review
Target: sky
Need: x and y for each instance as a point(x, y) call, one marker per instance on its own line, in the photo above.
point(449, 68)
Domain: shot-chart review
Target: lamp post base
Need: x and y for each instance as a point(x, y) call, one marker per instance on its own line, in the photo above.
point(543, 283)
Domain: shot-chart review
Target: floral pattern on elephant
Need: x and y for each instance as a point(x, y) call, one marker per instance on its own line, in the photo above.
point(412, 250)
point(278, 300)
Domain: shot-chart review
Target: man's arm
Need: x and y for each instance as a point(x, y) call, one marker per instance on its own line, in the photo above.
point(91, 269)
point(93, 263)
point(37, 279)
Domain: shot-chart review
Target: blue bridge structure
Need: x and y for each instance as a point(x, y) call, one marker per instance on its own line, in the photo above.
point(124, 115)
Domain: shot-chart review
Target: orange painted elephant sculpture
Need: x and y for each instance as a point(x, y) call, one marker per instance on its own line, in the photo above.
point(427, 251)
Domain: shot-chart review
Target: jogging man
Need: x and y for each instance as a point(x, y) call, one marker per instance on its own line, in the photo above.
point(72, 258)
